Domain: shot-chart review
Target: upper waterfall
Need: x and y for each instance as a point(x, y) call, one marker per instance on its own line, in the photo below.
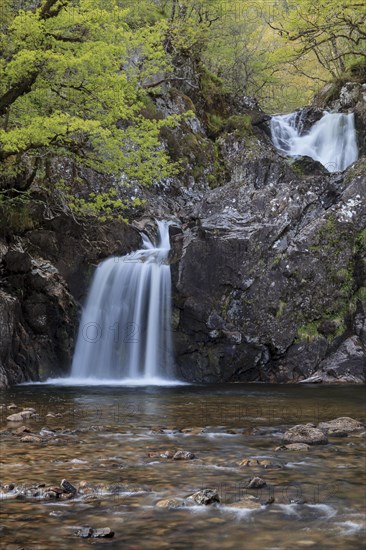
point(125, 329)
point(331, 140)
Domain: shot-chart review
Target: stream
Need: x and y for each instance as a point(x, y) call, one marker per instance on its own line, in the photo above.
point(111, 442)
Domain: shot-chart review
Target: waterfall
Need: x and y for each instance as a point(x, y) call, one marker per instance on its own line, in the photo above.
point(125, 329)
point(331, 140)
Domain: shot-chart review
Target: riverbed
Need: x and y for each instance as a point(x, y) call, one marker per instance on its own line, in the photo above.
point(115, 446)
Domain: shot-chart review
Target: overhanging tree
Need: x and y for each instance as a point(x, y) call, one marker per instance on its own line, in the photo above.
point(72, 83)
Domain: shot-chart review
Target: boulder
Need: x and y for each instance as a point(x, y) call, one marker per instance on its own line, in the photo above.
point(305, 433)
point(339, 425)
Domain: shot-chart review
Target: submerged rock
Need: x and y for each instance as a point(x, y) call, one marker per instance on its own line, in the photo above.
point(294, 447)
point(248, 502)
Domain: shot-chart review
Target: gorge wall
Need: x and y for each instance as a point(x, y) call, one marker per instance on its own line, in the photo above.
point(269, 263)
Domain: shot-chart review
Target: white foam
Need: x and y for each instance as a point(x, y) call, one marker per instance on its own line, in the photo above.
point(129, 382)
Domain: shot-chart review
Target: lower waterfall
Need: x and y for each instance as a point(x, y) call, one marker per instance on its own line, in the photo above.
point(331, 140)
point(125, 329)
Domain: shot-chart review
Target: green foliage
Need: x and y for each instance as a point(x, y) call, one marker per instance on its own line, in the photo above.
point(240, 125)
point(72, 83)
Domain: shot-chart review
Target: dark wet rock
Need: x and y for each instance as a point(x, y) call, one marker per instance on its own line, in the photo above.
point(18, 261)
point(162, 454)
point(88, 532)
point(305, 433)
point(67, 487)
point(342, 424)
point(205, 497)
point(183, 455)
point(307, 166)
point(256, 483)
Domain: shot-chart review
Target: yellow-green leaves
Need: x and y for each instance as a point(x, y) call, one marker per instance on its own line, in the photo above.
point(72, 84)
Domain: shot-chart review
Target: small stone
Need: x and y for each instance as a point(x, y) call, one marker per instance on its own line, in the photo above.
point(67, 487)
point(169, 503)
point(249, 502)
point(22, 429)
point(183, 455)
point(248, 462)
point(205, 497)
point(104, 533)
point(294, 447)
point(19, 417)
point(12, 406)
point(30, 439)
point(84, 532)
point(256, 483)
point(268, 465)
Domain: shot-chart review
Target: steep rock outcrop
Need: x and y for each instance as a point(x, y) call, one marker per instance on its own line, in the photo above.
point(45, 272)
point(272, 278)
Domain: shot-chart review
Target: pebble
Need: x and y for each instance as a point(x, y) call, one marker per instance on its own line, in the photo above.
point(88, 532)
point(205, 497)
point(67, 487)
point(169, 503)
point(183, 455)
point(256, 483)
point(30, 439)
point(22, 429)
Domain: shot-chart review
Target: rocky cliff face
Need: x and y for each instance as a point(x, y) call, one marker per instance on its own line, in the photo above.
point(269, 266)
point(45, 271)
point(271, 285)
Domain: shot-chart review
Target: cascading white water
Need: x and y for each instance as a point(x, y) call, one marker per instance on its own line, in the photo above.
point(331, 140)
point(125, 329)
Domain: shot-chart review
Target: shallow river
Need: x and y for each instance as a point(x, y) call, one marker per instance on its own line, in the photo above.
point(103, 436)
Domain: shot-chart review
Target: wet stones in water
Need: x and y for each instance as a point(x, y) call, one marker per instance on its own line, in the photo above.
point(343, 424)
point(183, 455)
point(67, 487)
point(30, 439)
point(161, 454)
point(22, 429)
point(175, 455)
point(256, 483)
point(88, 532)
point(21, 416)
point(205, 497)
point(305, 433)
point(248, 502)
point(170, 503)
point(253, 462)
